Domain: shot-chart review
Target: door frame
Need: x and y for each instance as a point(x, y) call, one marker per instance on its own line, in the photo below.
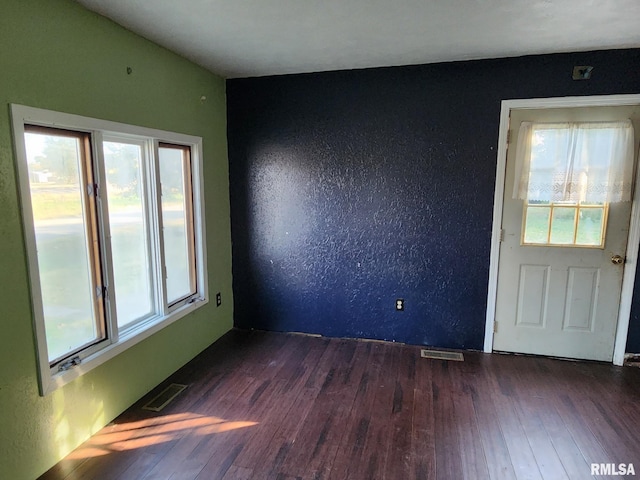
point(633, 242)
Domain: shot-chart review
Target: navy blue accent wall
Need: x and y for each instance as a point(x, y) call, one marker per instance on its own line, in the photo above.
point(351, 189)
point(633, 338)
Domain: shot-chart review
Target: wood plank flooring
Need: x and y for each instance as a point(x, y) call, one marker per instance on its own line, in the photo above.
point(281, 406)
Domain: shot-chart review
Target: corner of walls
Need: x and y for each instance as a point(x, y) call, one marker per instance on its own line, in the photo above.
point(60, 56)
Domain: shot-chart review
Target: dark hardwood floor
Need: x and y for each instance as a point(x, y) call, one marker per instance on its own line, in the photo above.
point(280, 406)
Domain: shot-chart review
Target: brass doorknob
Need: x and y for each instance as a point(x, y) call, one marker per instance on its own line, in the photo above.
point(617, 260)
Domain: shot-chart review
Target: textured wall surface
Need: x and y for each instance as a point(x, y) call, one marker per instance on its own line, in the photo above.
point(59, 56)
point(351, 189)
point(633, 338)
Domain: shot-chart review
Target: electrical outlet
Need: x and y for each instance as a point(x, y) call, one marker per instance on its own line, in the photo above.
point(399, 304)
point(582, 72)
point(218, 299)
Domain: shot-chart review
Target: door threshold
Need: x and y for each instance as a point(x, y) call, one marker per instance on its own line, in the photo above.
point(550, 357)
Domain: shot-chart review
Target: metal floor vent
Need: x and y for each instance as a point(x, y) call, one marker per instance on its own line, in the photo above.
point(163, 399)
point(440, 355)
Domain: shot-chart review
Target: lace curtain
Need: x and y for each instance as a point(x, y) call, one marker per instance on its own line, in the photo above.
point(571, 162)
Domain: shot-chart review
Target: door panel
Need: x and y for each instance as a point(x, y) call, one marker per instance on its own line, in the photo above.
point(533, 293)
point(581, 299)
point(559, 300)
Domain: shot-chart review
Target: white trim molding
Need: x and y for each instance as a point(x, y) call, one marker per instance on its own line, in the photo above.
point(116, 339)
point(633, 242)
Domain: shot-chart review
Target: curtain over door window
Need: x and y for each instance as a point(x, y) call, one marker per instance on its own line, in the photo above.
point(568, 173)
point(574, 162)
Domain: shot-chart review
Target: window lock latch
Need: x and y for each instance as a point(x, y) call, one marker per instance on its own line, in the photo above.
point(93, 190)
point(102, 292)
point(73, 362)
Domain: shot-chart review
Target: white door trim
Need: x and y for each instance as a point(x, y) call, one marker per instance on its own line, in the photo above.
point(634, 228)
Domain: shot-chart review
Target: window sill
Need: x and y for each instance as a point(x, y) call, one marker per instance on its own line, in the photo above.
point(52, 380)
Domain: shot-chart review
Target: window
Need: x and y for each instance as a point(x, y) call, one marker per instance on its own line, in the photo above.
point(177, 218)
point(568, 173)
point(113, 220)
point(564, 224)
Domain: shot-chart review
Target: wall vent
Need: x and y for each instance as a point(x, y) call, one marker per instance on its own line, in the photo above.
point(163, 399)
point(440, 355)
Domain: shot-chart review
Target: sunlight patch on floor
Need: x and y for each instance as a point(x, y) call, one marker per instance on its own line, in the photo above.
point(153, 431)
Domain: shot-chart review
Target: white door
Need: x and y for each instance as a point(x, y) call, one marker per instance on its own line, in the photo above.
point(560, 300)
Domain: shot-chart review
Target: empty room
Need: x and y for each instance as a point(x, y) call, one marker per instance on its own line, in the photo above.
point(319, 240)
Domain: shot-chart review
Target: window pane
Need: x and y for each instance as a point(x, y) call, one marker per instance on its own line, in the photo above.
point(537, 225)
point(64, 259)
point(590, 226)
point(177, 220)
point(129, 231)
point(563, 225)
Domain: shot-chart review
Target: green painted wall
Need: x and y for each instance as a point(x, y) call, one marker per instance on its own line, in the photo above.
point(54, 54)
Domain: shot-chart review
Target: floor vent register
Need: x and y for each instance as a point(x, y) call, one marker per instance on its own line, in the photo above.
point(442, 355)
point(165, 397)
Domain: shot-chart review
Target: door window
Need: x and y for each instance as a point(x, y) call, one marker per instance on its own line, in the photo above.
point(568, 173)
point(564, 224)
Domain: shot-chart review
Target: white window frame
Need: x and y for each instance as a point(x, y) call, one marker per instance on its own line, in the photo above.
point(50, 378)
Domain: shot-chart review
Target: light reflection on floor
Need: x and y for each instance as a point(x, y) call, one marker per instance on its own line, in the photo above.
point(152, 431)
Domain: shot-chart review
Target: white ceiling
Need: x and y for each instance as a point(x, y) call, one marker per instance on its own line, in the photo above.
point(244, 38)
